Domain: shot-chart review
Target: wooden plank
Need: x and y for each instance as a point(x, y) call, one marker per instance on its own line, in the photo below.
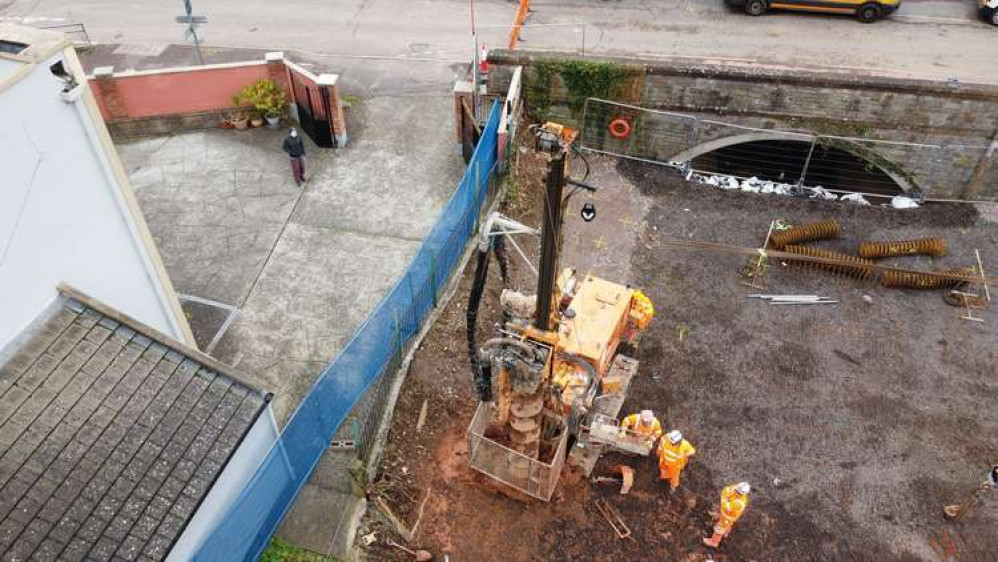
point(405, 532)
point(422, 416)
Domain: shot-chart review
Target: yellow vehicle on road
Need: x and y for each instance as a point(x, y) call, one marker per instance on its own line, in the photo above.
point(988, 10)
point(866, 11)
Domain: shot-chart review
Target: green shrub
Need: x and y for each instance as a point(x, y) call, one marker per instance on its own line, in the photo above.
point(265, 96)
point(280, 551)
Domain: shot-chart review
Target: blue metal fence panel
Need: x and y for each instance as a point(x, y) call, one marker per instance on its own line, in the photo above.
point(246, 529)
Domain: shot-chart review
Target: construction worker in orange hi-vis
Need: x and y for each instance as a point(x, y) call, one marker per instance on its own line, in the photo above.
point(734, 500)
point(644, 423)
point(673, 453)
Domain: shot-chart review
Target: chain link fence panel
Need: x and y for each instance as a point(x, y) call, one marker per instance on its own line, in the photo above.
point(848, 164)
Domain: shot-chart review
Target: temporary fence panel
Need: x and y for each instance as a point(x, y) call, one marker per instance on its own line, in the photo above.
point(784, 165)
point(511, 110)
point(978, 166)
point(642, 134)
point(864, 165)
point(376, 348)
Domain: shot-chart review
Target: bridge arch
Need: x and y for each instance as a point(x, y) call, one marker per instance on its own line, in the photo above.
point(836, 163)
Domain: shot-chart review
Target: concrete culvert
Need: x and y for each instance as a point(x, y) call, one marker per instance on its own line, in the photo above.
point(784, 161)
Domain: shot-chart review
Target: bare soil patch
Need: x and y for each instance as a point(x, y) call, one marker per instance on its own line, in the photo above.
point(854, 422)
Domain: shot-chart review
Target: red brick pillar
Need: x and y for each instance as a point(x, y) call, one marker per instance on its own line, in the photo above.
point(335, 109)
point(106, 91)
point(278, 72)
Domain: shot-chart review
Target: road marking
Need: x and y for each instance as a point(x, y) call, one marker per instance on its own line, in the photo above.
point(935, 19)
point(28, 20)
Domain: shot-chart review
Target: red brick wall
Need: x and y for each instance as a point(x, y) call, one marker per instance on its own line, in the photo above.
point(159, 101)
point(188, 90)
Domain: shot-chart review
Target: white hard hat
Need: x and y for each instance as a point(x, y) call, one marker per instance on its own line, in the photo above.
point(675, 436)
point(647, 416)
point(743, 488)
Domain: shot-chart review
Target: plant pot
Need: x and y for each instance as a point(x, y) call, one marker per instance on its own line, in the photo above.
point(273, 121)
point(240, 123)
point(256, 121)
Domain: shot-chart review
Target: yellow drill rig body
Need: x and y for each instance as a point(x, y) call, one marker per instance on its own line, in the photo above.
point(556, 362)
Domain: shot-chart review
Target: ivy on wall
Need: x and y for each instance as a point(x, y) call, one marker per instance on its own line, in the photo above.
point(582, 79)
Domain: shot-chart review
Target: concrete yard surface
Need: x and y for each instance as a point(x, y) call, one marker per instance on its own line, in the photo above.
point(304, 266)
point(216, 202)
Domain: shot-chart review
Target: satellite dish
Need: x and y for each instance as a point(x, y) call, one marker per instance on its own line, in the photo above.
point(588, 212)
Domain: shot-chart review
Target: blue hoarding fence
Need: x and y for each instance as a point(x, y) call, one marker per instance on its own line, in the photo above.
point(377, 349)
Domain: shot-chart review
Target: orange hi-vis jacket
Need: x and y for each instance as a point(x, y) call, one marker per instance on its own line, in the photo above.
point(633, 423)
point(674, 455)
point(733, 505)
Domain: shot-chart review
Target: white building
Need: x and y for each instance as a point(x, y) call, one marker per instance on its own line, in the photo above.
point(67, 212)
point(124, 441)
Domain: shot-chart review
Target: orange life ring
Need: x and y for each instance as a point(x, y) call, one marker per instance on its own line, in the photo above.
point(620, 128)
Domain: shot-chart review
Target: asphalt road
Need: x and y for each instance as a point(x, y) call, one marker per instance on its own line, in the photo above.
point(938, 39)
point(436, 29)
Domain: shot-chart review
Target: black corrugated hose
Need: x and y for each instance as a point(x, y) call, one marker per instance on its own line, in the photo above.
point(481, 370)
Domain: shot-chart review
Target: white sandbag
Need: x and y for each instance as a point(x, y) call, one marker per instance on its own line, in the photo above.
point(855, 198)
point(819, 192)
point(781, 189)
point(902, 202)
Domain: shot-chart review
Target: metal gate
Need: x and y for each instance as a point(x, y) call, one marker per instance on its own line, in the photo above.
point(312, 102)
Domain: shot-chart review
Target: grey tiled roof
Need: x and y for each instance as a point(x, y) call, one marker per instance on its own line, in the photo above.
point(109, 438)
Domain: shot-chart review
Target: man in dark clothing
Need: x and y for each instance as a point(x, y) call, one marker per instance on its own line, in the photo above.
point(296, 150)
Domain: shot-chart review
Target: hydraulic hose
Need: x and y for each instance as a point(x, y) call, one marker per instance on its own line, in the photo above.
point(592, 387)
point(481, 370)
point(499, 246)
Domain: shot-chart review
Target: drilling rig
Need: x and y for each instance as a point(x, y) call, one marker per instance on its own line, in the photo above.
point(555, 364)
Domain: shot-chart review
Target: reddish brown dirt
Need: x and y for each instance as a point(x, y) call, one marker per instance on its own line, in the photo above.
point(855, 423)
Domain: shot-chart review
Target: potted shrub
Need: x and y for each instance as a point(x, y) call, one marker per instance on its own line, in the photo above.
point(266, 98)
point(239, 119)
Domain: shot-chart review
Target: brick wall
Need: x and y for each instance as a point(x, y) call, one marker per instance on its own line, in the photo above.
point(828, 103)
point(163, 101)
point(173, 91)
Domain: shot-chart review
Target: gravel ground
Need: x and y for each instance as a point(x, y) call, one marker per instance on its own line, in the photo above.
point(854, 422)
point(870, 415)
